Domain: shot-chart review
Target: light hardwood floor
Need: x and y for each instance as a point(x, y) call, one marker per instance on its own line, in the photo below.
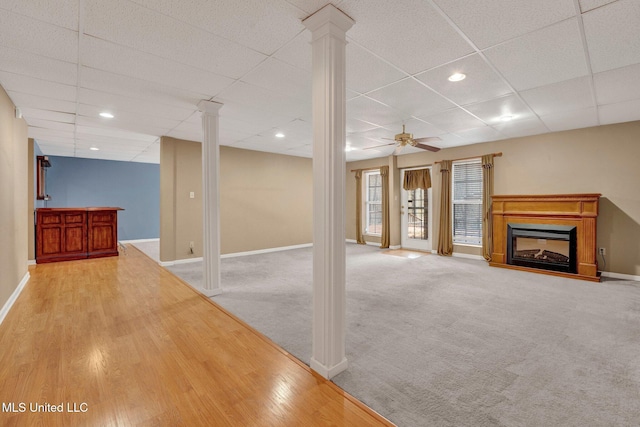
point(130, 344)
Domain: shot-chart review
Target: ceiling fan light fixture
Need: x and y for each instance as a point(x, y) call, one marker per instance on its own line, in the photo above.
point(456, 77)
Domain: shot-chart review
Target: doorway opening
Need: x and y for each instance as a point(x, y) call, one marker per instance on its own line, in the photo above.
point(415, 222)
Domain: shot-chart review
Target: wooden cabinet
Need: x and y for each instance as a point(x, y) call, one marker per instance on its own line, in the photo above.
point(64, 234)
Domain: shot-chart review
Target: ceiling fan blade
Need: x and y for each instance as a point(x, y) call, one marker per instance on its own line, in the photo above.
point(398, 150)
point(378, 146)
point(427, 139)
point(427, 147)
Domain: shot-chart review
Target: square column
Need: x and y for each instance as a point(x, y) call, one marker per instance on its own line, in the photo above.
point(328, 27)
point(210, 198)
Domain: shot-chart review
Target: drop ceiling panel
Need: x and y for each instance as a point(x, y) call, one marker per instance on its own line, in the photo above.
point(279, 76)
point(311, 6)
point(124, 125)
point(547, 56)
point(250, 119)
point(65, 135)
point(418, 128)
point(119, 105)
point(574, 119)
point(612, 35)
point(481, 83)
point(587, 5)
point(36, 113)
point(129, 24)
point(453, 120)
point(38, 37)
point(366, 72)
point(480, 134)
point(492, 111)
point(263, 26)
point(367, 109)
point(620, 112)
point(410, 34)
point(132, 119)
point(34, 86)
point(138, 88)
point(50, 125)
point(523, 127)
point(619, 85)
point(412, 98)
point(28, 64)
point(63, 13)
point(122, 60)
point(264, 99)
point(354, 125)
point(114, 133)
point(297, 52)
point(34, 101)
point(490, 22)
point(574, 94)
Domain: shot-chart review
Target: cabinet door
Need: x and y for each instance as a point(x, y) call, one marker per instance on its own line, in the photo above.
point(60, 236)
point(103, 233)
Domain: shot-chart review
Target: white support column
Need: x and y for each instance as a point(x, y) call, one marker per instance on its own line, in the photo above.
point(328, 27)
point(210, 199)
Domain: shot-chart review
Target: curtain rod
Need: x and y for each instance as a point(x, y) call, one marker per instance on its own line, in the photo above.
point(472, 157)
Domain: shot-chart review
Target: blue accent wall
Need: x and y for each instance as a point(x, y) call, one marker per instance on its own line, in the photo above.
point(77, 182)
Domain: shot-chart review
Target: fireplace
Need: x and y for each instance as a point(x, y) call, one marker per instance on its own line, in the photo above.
point(545, 246)
point(550, 234)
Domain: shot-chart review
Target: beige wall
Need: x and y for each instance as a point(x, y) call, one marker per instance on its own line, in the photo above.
point(13, 199)
point(265, 200)
point(594, 160)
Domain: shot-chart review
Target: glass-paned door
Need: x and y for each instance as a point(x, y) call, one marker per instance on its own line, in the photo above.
point(415, 218)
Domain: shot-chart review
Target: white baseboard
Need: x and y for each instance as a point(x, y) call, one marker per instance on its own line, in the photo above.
point(140, 241)
point(179, 261)
point(264, 251)
point(14, 296)
point(620, 276)
point(31, 262)
point(377, 244)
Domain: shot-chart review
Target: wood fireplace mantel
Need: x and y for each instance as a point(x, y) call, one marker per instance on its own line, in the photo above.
point(579, 210)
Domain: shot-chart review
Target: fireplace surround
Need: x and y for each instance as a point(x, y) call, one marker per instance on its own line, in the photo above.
point(549, 234)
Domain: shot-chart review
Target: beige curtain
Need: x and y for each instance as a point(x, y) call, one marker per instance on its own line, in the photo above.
point(445, 239)
point(359, 237)
point(420, 178)
point(487, 192)
point(385, 239)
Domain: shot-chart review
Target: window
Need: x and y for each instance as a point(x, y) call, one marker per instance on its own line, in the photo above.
point(467, 202)
point(373, 203)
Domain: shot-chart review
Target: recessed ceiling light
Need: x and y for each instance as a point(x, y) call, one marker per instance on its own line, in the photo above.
point(106, 115)
point(279, 135)
point(94, 148)
point(456, 77)
point(506, 118)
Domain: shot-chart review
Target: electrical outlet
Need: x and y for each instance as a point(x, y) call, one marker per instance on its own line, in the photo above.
point(602, 251)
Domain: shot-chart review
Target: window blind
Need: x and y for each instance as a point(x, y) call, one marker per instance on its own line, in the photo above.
point(467, 202)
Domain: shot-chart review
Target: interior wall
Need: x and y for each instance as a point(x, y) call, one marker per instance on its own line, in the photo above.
point(133, 186)
point(14, 204)
point(265, 200)
point(600, 159)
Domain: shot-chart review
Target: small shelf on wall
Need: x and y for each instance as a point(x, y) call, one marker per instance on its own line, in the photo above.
point(41, 177)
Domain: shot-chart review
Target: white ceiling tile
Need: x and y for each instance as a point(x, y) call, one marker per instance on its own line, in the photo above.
point(48, 124)
point(34, 86)
point(371, 111)
point(132, 25)
point(418, 128)
point(574, 94)
point(22, 100)
point(481, 83)
point(312, 6)
point(132, 119)
point(574, 119)
point(621, 112)
point(35, 113)
point(28, 64)
point(453, 120)
point(612, 35)
point(480, 134)
point(619, 85)
point(263, 26)
point(410, 34)
point(491, 111)
point(124, 125)
point(354, 125)
point(366, 72)
point(67, 135)
point(38, 37)
point(279, 76)
point(63, 13)
point(130, 87)
point(102, 55)
point(412, 98)
point(587, 5)
point(297, 52)
point(489, 22)
point(264, 99)
point(249, 119)
point(546, 56)
point(113, 133)
point(524, 127)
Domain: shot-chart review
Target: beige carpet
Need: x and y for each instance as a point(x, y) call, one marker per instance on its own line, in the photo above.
point(439, 341)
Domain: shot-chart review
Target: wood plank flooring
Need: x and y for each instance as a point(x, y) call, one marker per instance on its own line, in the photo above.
point(121, 341)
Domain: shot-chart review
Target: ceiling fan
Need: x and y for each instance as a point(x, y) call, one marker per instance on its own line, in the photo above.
point(403, 139)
